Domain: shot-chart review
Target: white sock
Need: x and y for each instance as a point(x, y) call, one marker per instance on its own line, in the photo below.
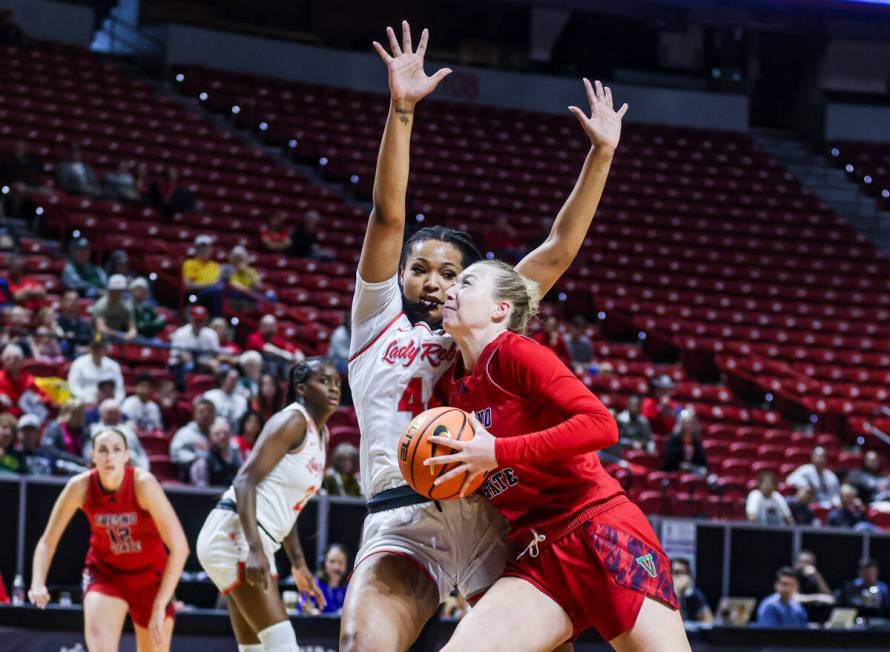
point(253, 647)
point(280, 637)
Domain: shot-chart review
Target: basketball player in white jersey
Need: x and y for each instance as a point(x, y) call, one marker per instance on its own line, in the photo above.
point(415, 552)
point(258, 513)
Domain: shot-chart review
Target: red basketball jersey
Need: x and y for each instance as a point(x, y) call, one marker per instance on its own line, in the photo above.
point(548, 426)
point(123, 535)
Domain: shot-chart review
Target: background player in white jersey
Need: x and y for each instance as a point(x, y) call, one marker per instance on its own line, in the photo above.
point(258, 513)
point(413, 551)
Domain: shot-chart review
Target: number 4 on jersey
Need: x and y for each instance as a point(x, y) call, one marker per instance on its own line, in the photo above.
point(412, 398)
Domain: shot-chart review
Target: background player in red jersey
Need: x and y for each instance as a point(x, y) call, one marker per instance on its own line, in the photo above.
point(128, 566)
point(585, 555)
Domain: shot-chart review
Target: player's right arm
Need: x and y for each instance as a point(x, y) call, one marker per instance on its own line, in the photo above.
point(284, 431)
point(408, 84)
point(69, 501)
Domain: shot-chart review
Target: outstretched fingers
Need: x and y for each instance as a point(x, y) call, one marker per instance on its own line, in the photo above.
point(591, 96)
point(393, 42)
point(622, 110)
point(382, 52)
point(406, 37)
point(582, 117)
point(424, 39)
point(453, 473)
point(600, 94)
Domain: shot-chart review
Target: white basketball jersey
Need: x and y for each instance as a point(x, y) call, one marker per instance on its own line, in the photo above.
point(282, 494)
point(393, 368)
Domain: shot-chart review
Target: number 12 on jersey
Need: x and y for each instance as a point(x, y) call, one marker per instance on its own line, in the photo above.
point(412, 398)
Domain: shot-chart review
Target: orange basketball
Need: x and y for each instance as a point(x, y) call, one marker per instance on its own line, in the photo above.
point(414, 449)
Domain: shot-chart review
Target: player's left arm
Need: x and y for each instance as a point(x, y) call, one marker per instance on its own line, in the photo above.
point(549, 261)
point(303, 577)
point(153, 500)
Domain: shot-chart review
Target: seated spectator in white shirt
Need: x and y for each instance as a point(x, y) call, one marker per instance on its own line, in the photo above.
point(229, 400)
point(112, 418)
point(819, 477)
point(634, 431)
point(113, 315)
point(140, 409)
point(191, 440)
point(219, 464)
point(87, 370)
point(765, 505)
point(194, 346)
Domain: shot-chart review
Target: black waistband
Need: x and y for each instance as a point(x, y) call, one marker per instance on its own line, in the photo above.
point(229, 505)
point(396, 497)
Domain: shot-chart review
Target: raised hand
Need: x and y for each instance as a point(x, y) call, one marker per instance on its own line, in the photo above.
point(407, 80)
point(604, 124)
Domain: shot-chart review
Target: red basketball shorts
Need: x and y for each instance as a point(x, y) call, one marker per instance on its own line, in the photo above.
point(601, 570)
point(138, 590)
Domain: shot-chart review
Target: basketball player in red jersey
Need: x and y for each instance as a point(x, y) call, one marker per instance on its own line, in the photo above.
point(585, 556)
point(128, 566)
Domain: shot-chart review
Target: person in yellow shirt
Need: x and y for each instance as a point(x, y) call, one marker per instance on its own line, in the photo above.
point(244, 281)
point(201, 276)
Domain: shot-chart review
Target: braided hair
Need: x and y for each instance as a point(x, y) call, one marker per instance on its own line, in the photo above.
point(301, 372)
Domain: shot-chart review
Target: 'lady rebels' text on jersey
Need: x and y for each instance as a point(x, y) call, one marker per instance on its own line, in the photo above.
point(548, 426)
point(393, 367)
point(123, 536)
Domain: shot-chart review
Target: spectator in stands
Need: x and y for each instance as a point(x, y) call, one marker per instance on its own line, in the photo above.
point(10, 460)
point(340, 479)
point(249, 429)
point(304, 239)
point(275, 235)
point(244, 281)
point(229, 350)
point(633, 428)
point(76, 329)
point(813, 592)
point(201, 275)
point(76, 176)
point(149, 324)
point(111, 417)
point(230, 404)
point(799, 505)
point(331, 579)
point(142, 182)
point(18, 329)
point(270, 398)
point(121, 184)
point(817, 474)
point(104, 391)
point(92, 367)
point(10, 33)
point(251, 363)
point(82, 275)
point(24, 174)
point(219, 464)
point(579, 345)
point(140, 410)
point(867, 594)
point(869, 478)
point(693, 603)
point(194, 346)
point(119, 263)
point(65, 437)
point(684, 450)
point(25, 290)
point(851, 512)
point(192, 439)
point(781, 609)
point(338, 348)
point(37, 460)
point(550, 337)
point(45, 346)
point(661, 410)
point(278, 353)
point(171, 196)
point(173, 413)
point(765, 505)
point(113, 314)
point(17, 387)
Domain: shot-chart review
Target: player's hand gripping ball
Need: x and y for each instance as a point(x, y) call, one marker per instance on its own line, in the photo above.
point(415, 448)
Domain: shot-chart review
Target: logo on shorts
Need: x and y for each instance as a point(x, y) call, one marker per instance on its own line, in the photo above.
point(648, 564)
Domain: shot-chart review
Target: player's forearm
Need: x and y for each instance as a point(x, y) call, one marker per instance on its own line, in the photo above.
point(391, 178)
point(43, 555)
point(293, 549)
point(245, 497)
point(173, 571)
point(582, 433)
point(546, 264)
